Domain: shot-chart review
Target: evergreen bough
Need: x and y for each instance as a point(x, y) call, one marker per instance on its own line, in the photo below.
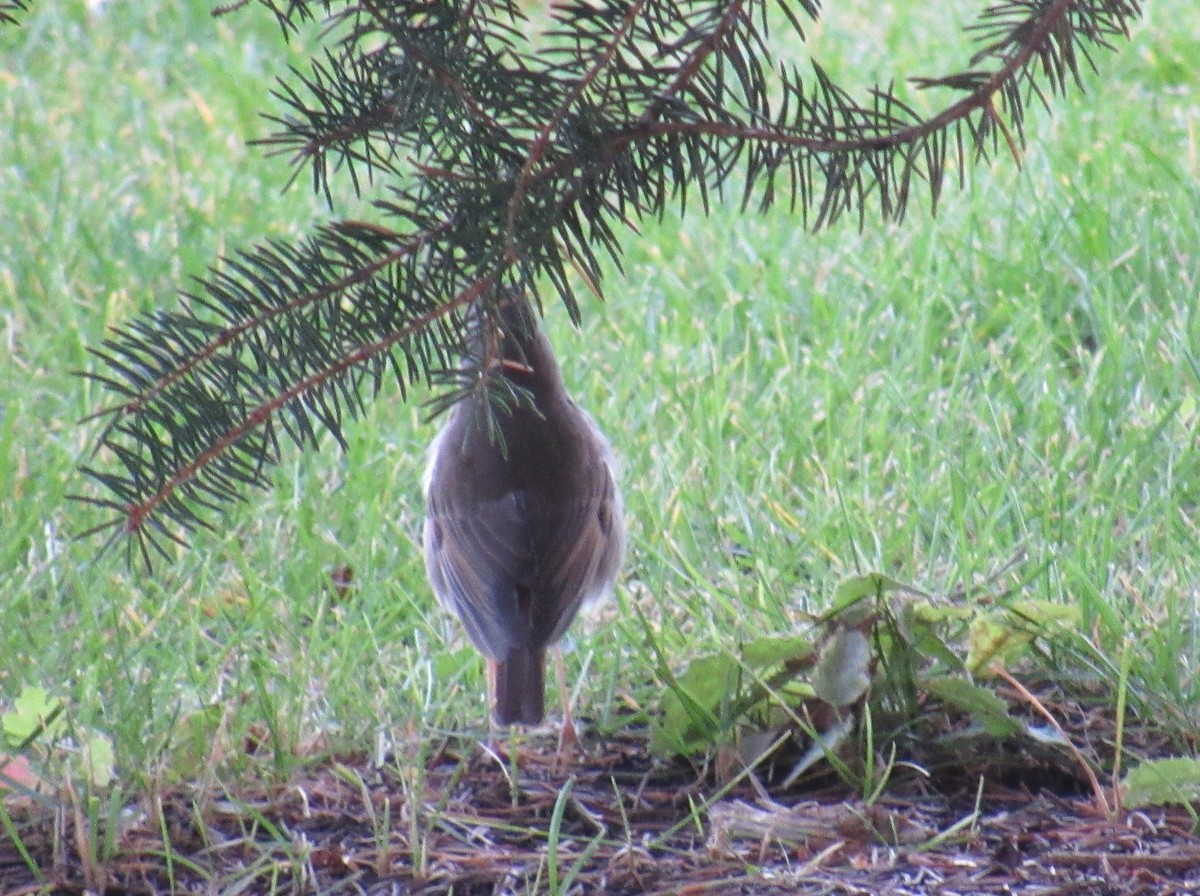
point(499, 160)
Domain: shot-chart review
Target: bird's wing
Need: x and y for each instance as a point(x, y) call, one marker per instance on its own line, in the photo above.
point(579, 548)
point(474, 556)
point(519, 578)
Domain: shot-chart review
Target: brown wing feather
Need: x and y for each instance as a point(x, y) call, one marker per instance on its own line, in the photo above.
point(579, 554)
point(473, 558)
point(517, 565)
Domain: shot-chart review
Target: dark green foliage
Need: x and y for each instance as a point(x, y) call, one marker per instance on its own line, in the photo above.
point(496, 161)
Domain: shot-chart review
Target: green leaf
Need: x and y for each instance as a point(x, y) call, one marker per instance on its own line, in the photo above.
point(709, 680)
point(931, 613)
point(99, 760)
point(855, 588)
point(843, 673)
point(1162, 782)
point(850, 606)
point(35, 712)
point(920, 624)
point(1045, 613)
point(1004, 634)
point(778, 650)
point(993, 638)
point(690, 719)
point(981, 704)
point(453, 665)
point(192, 743)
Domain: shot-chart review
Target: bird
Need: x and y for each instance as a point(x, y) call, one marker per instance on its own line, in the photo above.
point(524, 520)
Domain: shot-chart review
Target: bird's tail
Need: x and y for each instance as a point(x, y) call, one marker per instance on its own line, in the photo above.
point(519, 687)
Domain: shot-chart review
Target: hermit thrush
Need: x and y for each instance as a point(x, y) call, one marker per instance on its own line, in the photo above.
point(523, 520)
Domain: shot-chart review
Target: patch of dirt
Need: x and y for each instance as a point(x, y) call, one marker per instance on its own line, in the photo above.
point(614, 822)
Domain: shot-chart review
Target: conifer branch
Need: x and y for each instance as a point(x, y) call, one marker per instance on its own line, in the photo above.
point(498, 163)
point(9, 10)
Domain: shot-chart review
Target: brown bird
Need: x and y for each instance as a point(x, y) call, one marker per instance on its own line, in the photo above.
point(524, 521)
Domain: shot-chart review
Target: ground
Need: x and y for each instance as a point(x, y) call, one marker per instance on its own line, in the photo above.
point(613, 821)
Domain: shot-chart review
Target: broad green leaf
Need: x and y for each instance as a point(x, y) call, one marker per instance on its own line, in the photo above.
point(993, 638)
point(850, 606)
point(690, 720)
point(981, 704)
point(778, 650)
point(99, 761)
point(855, 588)
point(192, 743)
point(843, 673)
point(1187, 410)
point(1162, 782)
point(34, 713)
point(923, 631)
point(1045, 612)
point(1004, 634)
point(927, 611)
point(452, 665)
point(709, 680)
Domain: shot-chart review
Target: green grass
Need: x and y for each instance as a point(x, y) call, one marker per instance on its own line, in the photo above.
point(930, 399)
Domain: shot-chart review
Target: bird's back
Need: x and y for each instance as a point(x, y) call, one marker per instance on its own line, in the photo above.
point(523, 517)
point(521, 530)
